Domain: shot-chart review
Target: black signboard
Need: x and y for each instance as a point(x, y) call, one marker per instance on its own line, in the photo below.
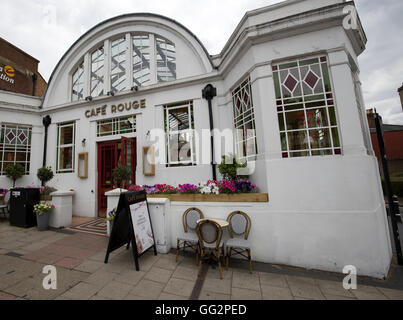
point(132, 224)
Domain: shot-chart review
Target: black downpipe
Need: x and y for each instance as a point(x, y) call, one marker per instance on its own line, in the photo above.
point(46, 123)
point(393, 210)
point(34, 78)
point(208, 93)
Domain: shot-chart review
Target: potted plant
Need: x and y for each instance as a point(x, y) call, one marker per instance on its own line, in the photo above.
point(229, 166)
point(14, 172)
point(42, 211)
point(121, 174)
point(45, 174)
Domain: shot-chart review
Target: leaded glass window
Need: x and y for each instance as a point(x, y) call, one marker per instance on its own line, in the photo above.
point(306, 108)
point(78, 83)
point(97, 72)
point(118, 65)
point(15, 146)
point(114, 126)
point(65, 147)
point(179, 126)
point(166, 60)
point(141, 59)
point(244, 121)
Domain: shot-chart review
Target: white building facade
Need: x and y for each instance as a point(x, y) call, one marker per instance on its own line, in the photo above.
point(289, 72)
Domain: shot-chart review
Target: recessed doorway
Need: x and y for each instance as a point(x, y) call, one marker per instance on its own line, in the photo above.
point(110, 154)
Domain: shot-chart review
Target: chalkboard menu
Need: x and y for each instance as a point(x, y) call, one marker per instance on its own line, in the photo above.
point(132, 224)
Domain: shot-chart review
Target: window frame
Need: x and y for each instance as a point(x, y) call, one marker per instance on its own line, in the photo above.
point(59, 147)
point(190, 131)
point(27, 149)
point(241, 120)
point(82, 87)
point(116, 126)
point(324, 100)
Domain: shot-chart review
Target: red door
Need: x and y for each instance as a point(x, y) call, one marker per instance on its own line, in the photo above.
point(109, 155)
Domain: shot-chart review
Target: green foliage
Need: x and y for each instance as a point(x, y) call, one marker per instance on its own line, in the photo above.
point(121, 174)
point(397, 175)
point(14, 172)
point(45, 174)
point(228, 167)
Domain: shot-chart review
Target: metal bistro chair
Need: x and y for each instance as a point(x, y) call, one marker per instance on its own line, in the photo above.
point(211, 244)
point(189, 238)
point(239, 225)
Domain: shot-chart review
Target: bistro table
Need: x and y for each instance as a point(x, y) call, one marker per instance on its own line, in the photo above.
point(220, 222)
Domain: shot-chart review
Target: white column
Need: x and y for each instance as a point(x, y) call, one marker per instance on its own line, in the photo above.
point(346, 104)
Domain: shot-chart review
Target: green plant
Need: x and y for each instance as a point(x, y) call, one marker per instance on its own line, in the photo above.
point(228, 167)
point(14, 172)
point(121, 173)
point(111, 215)
point(42, 208)
point(45, 174)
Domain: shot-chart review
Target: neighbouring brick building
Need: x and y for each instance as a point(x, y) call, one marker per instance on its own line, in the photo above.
point(393, 138)
point(19, 71)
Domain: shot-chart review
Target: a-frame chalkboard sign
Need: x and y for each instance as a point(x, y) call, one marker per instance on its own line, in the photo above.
point(132, 224)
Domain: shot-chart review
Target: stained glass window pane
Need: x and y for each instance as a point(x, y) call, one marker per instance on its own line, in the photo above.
point(244, 121)
point(306, 96)
point(15, 146)
point(118, 65)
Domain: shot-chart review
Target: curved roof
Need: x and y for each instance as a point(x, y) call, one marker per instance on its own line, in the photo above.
point(129, 15)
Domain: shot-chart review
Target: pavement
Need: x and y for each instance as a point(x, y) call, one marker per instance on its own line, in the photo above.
point(83, 275)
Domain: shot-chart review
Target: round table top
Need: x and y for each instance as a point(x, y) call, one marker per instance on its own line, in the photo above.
point(222, 223)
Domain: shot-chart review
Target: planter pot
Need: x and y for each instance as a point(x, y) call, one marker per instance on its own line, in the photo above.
point(236, 197)
point(43, 221)
point(109, 226)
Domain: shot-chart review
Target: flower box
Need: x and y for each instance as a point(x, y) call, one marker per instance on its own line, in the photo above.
point(46, 198)
point(235, 197)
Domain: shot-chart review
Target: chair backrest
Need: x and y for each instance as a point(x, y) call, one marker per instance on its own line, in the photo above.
point(209, 232)
point(239, 224)
point(190, 217)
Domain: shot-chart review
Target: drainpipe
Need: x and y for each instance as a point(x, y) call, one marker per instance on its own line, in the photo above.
point(34, 78)
point(208, 93)
point(46, 123)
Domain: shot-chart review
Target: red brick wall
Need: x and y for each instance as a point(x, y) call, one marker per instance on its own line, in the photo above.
point(24, 66)
point(393, 144)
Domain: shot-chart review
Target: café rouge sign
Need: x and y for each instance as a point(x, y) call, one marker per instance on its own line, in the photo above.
point(115, 108)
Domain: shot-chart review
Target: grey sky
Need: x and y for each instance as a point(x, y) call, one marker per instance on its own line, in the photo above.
point(46, 29)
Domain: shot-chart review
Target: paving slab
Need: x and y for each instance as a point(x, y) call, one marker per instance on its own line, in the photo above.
point(209, 295)
point(180, 287)
point(245, 294)
point(81, 291)
point(273, 280)
point(147, 289)
point(158, 275)
point(218, 286)
point(245, 281)
point(115, 290)
point(276, 293)
point(131, 277)
point(304, 290)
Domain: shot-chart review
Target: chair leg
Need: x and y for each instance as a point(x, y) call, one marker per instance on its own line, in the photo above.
point(177, 250)
point(250, 261)
point(219, 265)
point(229, 252)
point(199, 269)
